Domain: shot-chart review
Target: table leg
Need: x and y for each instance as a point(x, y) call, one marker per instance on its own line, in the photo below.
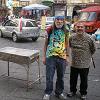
point(38, 61)
point(8, 68)
point(28, 77)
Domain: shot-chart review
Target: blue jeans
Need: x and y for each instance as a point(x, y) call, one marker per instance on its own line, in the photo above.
point(55, 63)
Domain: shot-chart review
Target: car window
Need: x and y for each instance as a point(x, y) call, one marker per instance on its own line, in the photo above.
point(7, 23)
point(92, 16)
point(30, 24)
point(11, 23)
point(34, 23)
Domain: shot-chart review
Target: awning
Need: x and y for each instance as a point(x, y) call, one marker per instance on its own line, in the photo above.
point(48, 1)
point(91, 9)
point(35, 6)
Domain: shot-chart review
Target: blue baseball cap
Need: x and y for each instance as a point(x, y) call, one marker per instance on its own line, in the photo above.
point(59, 17)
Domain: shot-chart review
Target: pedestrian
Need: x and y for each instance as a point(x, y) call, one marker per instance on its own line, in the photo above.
point(55, 57)
point(9, 16)
point(82, 48)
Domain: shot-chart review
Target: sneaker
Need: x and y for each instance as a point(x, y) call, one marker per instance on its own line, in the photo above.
point(71, 94)
point(46, 97)
point(83, 97)
point(61, 96)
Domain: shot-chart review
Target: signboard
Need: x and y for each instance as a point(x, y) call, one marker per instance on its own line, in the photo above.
point(16, 4)
point(9, 4)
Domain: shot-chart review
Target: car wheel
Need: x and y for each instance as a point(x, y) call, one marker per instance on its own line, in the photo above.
point(15, 37)
point(34, 38)
point(1, 35)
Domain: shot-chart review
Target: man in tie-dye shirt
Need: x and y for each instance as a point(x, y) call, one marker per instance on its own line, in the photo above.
point(55, 57)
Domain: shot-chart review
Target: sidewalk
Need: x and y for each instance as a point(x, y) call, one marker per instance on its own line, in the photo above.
point(12, 89)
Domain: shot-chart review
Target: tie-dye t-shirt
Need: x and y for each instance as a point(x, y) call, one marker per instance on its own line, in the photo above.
point(56, 45)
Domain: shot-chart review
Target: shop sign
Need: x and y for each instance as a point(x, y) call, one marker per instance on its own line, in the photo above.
point(9, 4)
point(15, 3)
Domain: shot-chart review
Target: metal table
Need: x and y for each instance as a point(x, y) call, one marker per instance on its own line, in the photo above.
point(21, 56)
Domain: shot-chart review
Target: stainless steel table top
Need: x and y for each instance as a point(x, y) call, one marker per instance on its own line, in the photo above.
point(18, 55)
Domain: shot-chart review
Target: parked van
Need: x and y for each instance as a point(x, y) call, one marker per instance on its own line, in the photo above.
point(90, 17)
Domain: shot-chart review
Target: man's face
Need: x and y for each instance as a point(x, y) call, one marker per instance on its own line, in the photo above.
point(80, 29)
point(59, 22)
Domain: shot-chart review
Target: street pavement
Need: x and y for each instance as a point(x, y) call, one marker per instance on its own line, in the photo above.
point(14, 89)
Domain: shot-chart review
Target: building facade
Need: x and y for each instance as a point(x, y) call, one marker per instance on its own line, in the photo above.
point(58, 6)
point(75, 5)
point(3, 2)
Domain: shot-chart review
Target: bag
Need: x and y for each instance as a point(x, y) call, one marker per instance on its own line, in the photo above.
point(49, 31)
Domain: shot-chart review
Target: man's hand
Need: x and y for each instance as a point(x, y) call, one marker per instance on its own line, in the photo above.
point(44, 60)
point(68, 59)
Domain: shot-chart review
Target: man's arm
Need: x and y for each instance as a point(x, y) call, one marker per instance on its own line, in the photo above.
point(67, 48)
point(45, 49)
point(45, 46)
point(92, 46)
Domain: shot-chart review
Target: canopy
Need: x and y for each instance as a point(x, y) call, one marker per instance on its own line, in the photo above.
point(91, 9)
point(35, 6)
point(48, 0)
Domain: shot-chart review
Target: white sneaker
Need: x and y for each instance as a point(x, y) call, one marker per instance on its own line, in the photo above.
point(46, 97)
point(83, 97)
point(61, 96)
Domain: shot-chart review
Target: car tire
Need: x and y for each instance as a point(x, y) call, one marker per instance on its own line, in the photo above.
point(15, 37)
point(34, 39)
point(1, 35)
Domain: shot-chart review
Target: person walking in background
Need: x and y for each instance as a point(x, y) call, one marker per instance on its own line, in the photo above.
point(9, 16)
point(82, 48)
point(54, 57)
